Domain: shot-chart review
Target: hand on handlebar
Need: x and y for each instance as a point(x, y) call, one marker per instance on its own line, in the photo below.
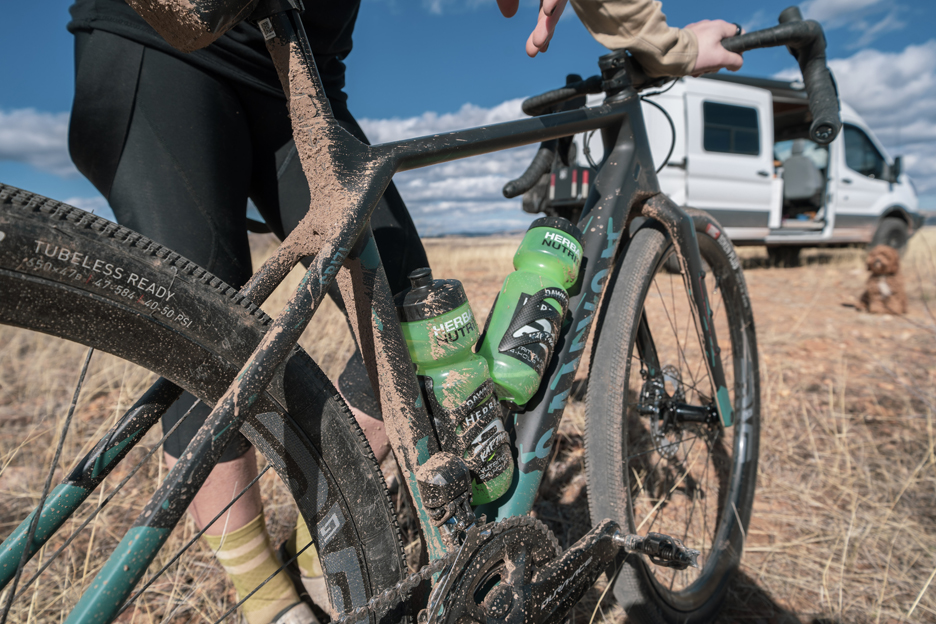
point(549, 13)
point(712, 56)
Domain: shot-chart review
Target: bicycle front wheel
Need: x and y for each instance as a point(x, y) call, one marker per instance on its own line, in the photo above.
point(67, 273)
point(657, 456)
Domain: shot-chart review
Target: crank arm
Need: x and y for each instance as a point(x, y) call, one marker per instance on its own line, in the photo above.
point(557, 587)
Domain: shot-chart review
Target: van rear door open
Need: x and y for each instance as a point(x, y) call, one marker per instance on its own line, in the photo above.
point(729, 145)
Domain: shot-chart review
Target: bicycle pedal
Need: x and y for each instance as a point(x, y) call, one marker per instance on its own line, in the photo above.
point(662, 550)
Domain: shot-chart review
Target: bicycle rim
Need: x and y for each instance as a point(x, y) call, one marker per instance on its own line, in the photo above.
point(690, 480)
point(685, 478)
point(336, 485)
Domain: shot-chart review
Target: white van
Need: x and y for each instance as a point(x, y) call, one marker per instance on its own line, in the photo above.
point(741, 153)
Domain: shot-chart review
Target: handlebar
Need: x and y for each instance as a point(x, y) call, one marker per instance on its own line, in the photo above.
point(807, 43)
point(543, 103)
point(541, 164)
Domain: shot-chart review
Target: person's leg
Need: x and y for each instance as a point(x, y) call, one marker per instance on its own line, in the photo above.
point(280, 190)
point(179, 176)
point(281, 193)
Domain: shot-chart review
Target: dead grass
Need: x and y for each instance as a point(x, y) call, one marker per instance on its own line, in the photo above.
point(844, 526)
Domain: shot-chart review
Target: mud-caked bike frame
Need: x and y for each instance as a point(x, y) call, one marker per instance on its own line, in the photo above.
point(347, 178)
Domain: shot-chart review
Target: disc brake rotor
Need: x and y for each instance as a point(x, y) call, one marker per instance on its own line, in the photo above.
point(665, 431)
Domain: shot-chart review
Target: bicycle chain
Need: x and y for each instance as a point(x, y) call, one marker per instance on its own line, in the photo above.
point(394, 596)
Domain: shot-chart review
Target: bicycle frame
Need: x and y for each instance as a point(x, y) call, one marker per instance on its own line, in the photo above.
point(626, 187)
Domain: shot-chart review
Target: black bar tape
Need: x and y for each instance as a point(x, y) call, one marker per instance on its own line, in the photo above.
point(543, 103)
point(807, 44)
point(541, 164)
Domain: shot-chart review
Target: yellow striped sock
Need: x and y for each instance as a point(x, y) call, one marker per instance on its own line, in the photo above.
point(309, 564)
point(248, 557)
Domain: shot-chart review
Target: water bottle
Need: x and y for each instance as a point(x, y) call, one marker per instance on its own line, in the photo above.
point(441, 331)
point(524, 324)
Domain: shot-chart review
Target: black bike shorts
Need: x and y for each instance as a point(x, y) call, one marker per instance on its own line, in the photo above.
point(177, 151)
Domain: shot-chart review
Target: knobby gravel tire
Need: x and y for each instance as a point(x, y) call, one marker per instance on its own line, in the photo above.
point(70, 274)
point(630, 477)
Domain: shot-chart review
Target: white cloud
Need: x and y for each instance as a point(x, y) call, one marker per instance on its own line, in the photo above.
point(468, 116)
point(462, 195)
point(833, 11)
point(760, 19)
point(895, 92)
point(859, 16)
point(870, 32)
point(96, 205)
point(36, 138)
point(438, 7)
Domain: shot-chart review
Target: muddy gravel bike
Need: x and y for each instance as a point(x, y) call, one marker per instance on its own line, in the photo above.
point(673, 405)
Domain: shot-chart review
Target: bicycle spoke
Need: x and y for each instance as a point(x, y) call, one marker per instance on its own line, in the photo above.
point(188, 545)
point(267, 580)
point(685, 383)
point(679, 349)
point(34, 524)
point(109, 497)
point(652, 450)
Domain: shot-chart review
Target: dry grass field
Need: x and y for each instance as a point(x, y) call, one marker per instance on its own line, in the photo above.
point(844, 524)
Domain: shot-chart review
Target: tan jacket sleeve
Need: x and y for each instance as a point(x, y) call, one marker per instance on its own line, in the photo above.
point(640, 26)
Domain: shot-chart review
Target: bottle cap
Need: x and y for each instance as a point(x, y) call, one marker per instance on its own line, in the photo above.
point(427, 298)
point(558, 223)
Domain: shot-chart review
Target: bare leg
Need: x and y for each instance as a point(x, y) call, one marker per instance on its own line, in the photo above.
point(375, 432)
point(229, 478)
point(223, 484)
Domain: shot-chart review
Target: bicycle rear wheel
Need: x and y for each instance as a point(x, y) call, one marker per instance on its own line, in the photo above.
point(657, 457)
point(67, 273)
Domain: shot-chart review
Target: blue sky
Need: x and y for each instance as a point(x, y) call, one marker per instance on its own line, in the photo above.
point(423, 66)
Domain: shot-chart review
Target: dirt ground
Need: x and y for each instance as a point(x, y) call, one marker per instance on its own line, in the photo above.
point(844, 522)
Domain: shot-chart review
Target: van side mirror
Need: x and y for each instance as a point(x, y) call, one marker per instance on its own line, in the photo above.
point(896, 168)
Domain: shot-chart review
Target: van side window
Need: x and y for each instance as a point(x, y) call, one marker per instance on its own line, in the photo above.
point(860, 154)
point(730, 129)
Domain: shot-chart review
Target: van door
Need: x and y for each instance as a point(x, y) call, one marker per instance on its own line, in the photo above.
point(730, 155)
point(861, 188)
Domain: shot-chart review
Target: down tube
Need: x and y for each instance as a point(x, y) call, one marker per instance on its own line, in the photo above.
point(624, 175)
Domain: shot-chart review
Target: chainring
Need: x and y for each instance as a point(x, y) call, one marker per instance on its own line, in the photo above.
point(492, 582)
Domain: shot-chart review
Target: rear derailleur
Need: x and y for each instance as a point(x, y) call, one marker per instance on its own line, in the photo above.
point(513, 571)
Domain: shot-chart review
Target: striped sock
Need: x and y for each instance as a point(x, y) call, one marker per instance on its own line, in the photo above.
point(310, 567)
point(308, 561)
point(248, 557)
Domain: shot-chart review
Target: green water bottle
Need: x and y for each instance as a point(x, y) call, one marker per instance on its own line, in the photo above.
point(524, 324)
point(441, 331)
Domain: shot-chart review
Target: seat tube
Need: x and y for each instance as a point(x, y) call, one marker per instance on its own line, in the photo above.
point(372, 313)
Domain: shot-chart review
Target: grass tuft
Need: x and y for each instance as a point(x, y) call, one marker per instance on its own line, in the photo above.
point(844, 524)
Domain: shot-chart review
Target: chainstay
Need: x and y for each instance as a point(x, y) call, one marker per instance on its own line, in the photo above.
point(396, 595)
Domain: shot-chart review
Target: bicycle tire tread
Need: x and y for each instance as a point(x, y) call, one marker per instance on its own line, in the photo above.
point(382, 539)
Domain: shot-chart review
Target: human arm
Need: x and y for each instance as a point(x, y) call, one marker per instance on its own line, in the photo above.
point(640, 26)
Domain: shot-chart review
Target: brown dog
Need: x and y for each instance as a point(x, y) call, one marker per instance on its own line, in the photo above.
point(884, 293)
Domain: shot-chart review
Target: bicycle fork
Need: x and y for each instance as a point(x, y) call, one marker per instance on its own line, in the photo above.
point(681, 230)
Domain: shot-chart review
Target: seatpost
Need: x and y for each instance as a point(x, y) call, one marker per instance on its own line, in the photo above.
point(282, 16)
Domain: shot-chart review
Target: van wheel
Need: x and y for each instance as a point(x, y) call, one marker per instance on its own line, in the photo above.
point(892, 232)
point(783, 257)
